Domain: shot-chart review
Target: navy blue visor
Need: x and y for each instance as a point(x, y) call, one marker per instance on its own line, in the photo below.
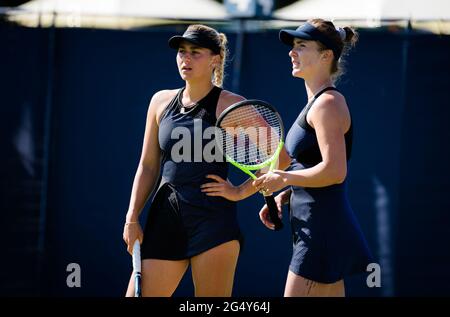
point(201, 39)
point(309, 32)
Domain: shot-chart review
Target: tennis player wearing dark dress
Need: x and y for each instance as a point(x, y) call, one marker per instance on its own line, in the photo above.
point(328, 243)
point(185, 226)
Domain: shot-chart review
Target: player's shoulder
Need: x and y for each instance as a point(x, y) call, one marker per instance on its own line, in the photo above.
point(330, 102)
point(329, 108)
point(159, 102)
point(227, 98)
point(163, 97)
point(230, 97)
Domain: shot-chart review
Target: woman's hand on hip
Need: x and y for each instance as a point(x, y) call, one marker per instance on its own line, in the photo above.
point(221, 187)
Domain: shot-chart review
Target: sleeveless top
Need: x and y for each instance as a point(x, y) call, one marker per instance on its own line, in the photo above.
point(304, 146)
point(186, 139)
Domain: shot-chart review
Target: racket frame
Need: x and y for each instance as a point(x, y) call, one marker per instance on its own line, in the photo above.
point(273, 159)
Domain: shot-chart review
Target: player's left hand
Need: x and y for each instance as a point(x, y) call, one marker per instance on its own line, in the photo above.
point(221, 187)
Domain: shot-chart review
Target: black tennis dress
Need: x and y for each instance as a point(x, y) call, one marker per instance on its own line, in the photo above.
point(183, 221)
point(327, 241)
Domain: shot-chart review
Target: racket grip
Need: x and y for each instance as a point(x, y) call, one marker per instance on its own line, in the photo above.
point(137, 256)
point(137, 285)
point(137, 268)
point(273, 212)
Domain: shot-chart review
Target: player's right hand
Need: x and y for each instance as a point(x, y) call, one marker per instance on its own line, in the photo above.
point(131, 233)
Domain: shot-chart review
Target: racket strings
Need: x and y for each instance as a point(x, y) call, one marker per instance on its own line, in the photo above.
point(250, 134)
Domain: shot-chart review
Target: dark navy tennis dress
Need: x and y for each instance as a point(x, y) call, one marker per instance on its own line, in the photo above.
point(327, 241)
point(183, 221)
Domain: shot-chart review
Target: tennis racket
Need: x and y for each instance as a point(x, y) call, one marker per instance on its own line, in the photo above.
point(137, 269)
point(250, 135)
